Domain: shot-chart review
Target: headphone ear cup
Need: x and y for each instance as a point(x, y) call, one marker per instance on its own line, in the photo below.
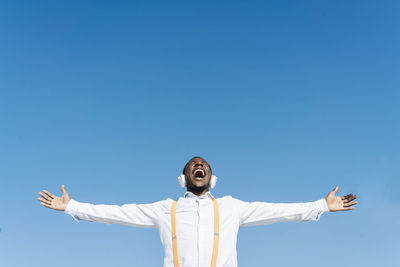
point(213, 181)
point(182, 180)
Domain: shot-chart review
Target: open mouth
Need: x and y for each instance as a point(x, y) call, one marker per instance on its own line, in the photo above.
point(199, 173)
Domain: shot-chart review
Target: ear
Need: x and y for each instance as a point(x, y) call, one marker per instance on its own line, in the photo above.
point(182, 180)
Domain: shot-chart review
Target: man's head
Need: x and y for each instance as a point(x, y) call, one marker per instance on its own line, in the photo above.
point(198, 174)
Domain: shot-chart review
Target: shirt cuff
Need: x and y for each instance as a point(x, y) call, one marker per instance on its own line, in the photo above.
point(322, 205)
point(72, 207)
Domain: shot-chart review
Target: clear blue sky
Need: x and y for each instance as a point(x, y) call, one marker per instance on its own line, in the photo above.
point(285, 99)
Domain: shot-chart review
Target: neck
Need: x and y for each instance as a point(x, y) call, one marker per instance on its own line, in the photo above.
point(198, 192)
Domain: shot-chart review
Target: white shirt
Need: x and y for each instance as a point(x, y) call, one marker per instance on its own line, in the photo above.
point(195, 222)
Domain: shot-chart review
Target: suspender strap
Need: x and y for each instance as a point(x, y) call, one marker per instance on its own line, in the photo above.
point(173, 228)
point(216, 234)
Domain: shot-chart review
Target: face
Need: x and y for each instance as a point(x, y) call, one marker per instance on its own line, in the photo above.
point(198, 174)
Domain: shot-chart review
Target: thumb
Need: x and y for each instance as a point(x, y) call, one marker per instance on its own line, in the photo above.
point(336, 189)
point(63, 190)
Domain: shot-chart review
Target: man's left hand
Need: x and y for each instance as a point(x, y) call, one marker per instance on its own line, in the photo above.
point(338, 203)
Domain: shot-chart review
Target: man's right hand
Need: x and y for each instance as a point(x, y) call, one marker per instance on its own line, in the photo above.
point(53, 202)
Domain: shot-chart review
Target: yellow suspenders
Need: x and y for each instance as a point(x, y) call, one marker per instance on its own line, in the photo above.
point(174, 243)
point(216, 234)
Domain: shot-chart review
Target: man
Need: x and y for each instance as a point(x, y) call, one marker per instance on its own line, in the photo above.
point(198, 230)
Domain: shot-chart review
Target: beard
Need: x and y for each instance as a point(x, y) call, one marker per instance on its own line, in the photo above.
point(197, 189)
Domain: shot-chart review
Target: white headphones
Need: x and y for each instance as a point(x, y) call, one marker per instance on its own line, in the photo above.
point(182, 180)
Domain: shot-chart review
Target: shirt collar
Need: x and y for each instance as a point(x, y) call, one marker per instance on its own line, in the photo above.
point(191, 195)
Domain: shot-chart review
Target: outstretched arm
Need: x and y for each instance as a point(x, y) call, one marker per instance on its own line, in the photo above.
point(260, 213)
point(140, 215)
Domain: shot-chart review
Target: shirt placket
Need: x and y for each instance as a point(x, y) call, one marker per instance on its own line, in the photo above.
point(198, 232)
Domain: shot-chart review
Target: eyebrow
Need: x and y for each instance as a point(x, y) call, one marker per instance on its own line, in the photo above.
point(203, 161)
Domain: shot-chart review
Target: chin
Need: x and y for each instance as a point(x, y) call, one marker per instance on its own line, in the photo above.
point(196, 188)
point(199, 184)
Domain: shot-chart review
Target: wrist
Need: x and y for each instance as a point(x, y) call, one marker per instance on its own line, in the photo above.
point(326, 206)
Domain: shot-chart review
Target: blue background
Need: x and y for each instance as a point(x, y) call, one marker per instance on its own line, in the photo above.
point(285, 99)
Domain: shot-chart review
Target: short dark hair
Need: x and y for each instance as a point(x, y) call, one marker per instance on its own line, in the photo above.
point(184, 169)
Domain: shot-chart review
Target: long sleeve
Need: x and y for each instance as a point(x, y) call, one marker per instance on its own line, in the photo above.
point(260, 213)
point(140, 215)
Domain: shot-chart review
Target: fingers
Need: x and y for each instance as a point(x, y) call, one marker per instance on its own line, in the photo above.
point(349, 198)
point(45, 196)
point(46, 205)
point(49, 194)
point(346, 196)
point(350, 204)
point(349, 208)
point(44, 201)
point(347, 204)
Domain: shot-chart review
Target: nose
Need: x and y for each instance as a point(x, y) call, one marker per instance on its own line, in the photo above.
point(198, 165)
